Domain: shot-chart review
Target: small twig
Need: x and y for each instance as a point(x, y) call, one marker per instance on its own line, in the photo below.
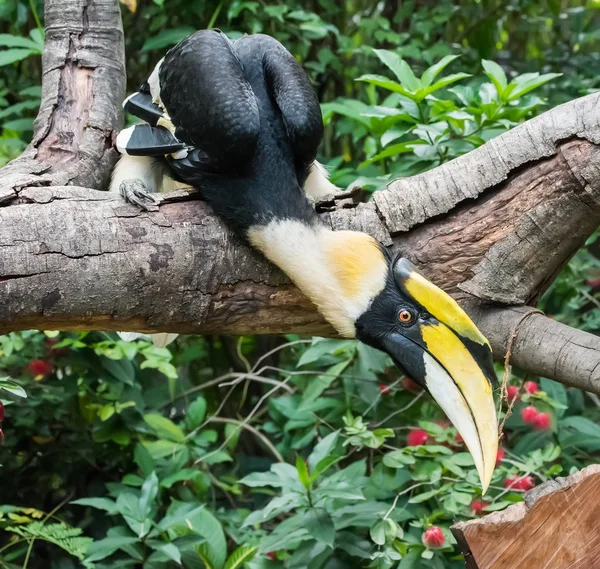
point(398, 411)
point(244, 422)
point(254, 431)
point(379, 395)
point(507, 370)
point(402, 494)
point(48, 516)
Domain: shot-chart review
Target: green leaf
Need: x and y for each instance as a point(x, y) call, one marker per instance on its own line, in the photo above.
point(164, 427)
point(448, 80)
point(322, 450)
point(161, 448)
point(557, 392)
point(377, 532)
point(320, 383)
point(427, 470)
point(324, 346)
point(12, 387)
point(9, 40)
point(394, 150)
point(19, 125)
point(382, 81)
point(148, 495)
point(578, 432)
point(181, 475)
point(320, 525)
point(105, 504)
point(143, 459)
point(196, 413)
point(419, 498)
point(37, 35)
point(105, 547)
point(496, 75)
point(13, 55)
point(520, 88)
point(168, 549)
point(432, 72)
point(241, 556)
point(398, 459)
point(400, 68)
point(302, 472)
point(323, 466)
point(168, 37)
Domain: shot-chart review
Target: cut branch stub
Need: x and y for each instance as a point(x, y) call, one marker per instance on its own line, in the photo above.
point(83, 85)
point(555, 528)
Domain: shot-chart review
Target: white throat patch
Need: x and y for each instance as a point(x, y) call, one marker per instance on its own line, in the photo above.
point(340, 271)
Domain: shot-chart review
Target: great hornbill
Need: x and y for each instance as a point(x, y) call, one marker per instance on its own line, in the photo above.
point(240, 122)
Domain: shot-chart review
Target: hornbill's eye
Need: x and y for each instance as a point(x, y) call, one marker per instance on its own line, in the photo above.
point(405, 316)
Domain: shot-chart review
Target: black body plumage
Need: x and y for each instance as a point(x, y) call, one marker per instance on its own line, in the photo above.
point(249, 119)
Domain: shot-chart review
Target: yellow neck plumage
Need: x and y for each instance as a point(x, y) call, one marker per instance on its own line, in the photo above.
point(340, 271)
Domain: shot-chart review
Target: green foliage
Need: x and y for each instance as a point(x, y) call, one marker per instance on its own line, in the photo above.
point(152, 462)
point(60, 534)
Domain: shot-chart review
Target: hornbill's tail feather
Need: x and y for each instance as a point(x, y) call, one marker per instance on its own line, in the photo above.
point(294, 95)
point(146, 140)
point(209, 99)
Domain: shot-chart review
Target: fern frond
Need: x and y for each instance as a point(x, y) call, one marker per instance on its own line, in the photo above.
point(62, 535)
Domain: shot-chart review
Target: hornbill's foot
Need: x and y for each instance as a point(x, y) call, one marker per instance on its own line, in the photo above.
point(134, 191)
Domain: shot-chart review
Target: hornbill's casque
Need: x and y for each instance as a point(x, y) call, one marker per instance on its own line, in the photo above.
point(240, 122)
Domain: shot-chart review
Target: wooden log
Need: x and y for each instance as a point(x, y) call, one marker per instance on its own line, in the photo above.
point(556, 527)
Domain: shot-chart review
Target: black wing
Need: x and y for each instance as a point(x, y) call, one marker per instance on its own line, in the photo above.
point(209, 100)
point(290, 90)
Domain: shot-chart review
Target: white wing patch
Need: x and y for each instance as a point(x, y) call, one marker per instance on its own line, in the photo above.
point(317, 185)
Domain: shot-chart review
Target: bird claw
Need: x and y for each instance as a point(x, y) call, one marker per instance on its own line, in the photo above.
point(134, 191)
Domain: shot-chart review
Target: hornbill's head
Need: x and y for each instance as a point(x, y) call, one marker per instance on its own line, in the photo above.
point(426, 333)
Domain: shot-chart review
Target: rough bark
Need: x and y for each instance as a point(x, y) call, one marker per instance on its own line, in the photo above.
point(83, 85)
point(493, 227)
point(554, 528)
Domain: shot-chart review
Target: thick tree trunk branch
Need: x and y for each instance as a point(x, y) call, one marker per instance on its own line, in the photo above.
point(83, 85)
point(493, 227)
point(547, 530)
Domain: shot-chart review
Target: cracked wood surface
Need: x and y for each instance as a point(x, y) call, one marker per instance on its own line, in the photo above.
point(556, 527)
point(493, 227)
point(83, 86)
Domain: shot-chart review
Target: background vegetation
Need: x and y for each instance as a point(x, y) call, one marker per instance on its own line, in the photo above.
point(284, 452)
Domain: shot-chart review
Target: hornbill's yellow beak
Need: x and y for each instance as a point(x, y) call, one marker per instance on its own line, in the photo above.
point(444, 351)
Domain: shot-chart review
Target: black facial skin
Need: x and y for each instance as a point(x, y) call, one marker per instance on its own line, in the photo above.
point(382, 328)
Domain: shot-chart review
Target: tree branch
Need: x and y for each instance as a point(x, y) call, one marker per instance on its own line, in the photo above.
point(83, 85)
point(493, 227)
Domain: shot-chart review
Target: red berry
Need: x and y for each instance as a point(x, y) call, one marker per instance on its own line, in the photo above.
point(433, 537)
point(531, 386)
point(542, 422)
point(271, 555)
point(411, 385)
point(39, 367)
point(384, 389)
point(512, 392)
point(517, 482)
point(459, 439)
point(500, 455)
point(416, 437)
point(478, 505)
point(529, 414)
point(527, 483)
